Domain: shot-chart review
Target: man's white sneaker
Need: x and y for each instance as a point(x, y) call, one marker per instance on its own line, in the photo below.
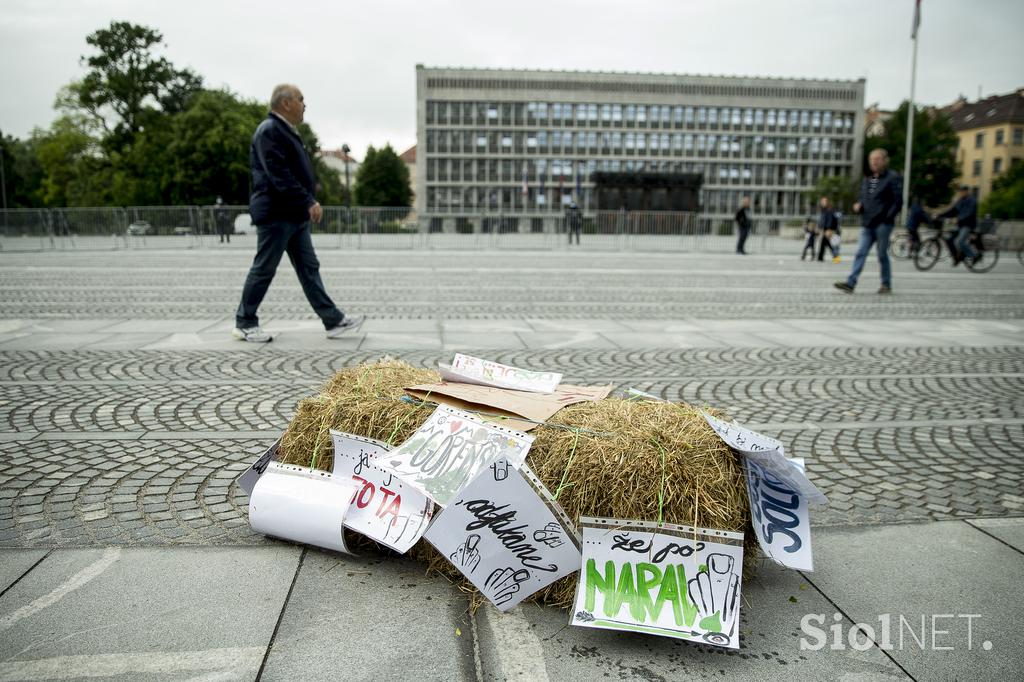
point(346, 325)
point(252, 334)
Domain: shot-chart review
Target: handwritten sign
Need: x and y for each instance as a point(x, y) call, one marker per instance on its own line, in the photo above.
point(382, 507)
point(301, 504)
point(663, 580)
point(247, 481)
point(450, 449)
point(506, 534)
point(470, 370)
point(769, 453)
point(780, 517)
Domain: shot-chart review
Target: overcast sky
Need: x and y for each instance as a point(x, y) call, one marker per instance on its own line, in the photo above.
point(356, 61)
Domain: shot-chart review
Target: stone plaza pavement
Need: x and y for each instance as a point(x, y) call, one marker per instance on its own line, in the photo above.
point(127, 411)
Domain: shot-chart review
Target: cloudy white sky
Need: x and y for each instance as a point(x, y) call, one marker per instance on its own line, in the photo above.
point(356, 61)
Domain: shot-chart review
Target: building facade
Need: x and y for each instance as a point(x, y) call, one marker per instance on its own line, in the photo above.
point(518, 145)
point(991, 138)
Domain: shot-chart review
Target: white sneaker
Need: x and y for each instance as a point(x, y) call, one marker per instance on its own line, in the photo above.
point(252, 334)
point(348, 324)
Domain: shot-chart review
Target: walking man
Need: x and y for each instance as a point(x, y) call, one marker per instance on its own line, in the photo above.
point(573, 221)
point(881, 195)
point(828, 225)
point(282, 205)
point(744, 224)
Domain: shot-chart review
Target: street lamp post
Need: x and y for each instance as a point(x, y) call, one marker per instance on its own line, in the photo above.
point(345, 149)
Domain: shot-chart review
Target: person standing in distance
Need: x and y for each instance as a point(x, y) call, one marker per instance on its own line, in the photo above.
point(744, 224)
point(282, 205)
point(881, 197)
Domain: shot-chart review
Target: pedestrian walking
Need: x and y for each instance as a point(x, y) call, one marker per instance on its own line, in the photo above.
point(881, 196)
point(743, 223)
point(828, 225)
point(573, 221)
point(282, 206)
point(222, 220)
point(810, 234)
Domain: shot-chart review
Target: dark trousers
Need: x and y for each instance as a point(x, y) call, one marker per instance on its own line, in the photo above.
point(826, 240)
point(744, 231)
point(271, 243)
point(808, 246)
point(574, 230)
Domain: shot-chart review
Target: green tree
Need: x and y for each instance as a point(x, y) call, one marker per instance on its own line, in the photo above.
point(933, 167)
point(330, 191)
point(75, 171)
point(23, 176)
point(1006, 200)
point(841, 189)
point(382, 179)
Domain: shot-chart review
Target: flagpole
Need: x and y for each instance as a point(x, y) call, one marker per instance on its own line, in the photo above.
point(910, 121)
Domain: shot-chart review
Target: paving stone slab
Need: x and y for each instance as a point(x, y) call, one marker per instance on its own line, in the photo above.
point(1009, 530)
point(14, 563)
point(145, 613)
point(941, 571)
point(371, 618)
point(537, 643)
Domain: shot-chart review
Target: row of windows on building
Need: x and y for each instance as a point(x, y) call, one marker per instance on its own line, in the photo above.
point(509, 199)
point(550, 171)
point(566, 114)
point(997, 166)
point(1000, 137)
point(647, 144)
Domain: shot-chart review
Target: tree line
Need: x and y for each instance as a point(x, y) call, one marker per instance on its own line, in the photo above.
point(138, 131)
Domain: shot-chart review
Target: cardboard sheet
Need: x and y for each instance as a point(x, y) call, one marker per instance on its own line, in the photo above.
point(537, 407)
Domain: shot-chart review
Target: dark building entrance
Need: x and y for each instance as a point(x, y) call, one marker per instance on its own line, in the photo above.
point(647, 191)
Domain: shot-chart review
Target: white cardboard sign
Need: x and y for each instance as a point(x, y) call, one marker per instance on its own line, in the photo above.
point(505, 533)
point(301, 504)
point(247, 481)
point(449, 449)
point(780, 517)
point(663, 580)
point(470, 370)
point(382, 507)
point(769, 453)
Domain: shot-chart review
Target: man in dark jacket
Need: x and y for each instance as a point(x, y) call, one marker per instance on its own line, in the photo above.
point(881, 197)
point(282, 205)
point(828, 226)
point(744, 224)
point(966, 212)
point(573, 221)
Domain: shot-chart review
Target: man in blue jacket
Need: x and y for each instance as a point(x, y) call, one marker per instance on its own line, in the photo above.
point(281, 205)
point(881, 198)
point(965, 210)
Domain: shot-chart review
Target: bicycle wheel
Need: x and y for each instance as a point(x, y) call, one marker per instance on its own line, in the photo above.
point(901, 248)
point(928, 254)
point(987, 256)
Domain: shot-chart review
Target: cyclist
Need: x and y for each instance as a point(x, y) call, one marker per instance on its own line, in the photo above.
point(965, 210)
point(916, 217)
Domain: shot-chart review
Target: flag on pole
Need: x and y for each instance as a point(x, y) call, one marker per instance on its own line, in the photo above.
point(917, 18)
point(526, 187)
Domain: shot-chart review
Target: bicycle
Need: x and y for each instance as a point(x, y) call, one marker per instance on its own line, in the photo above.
point(901, 245)
point(985, 246)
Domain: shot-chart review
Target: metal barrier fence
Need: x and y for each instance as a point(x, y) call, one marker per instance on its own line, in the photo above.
point(192, 227)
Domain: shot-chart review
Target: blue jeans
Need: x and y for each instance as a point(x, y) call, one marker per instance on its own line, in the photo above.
point(878, 237)
point(272, 241)
point(963, 242)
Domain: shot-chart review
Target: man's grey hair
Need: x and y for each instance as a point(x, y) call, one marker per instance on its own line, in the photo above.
point(879, 150)
point(281, 93)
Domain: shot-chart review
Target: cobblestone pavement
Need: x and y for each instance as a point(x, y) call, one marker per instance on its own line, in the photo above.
point(143, 446)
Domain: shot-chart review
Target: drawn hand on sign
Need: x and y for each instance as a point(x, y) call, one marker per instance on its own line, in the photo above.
point(550, 535)
point(500, 469)
point(715, 590)
point(466, 558)
point(504, 582)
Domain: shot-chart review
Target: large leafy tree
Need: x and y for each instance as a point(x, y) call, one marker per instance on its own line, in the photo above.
point(382, 179)
point(23, 176)
point(1006, 200)
point(841, 189)
point(75, 171)
point(933, 164)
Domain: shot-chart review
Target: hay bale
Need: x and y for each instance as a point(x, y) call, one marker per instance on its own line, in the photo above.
point(616, 458)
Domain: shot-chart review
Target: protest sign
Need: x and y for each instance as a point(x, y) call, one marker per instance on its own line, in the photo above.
point(382, 507)
point(505, 404)
point(301, 504)
point(249, 477)
point(449, 449)
point(471, 370)
point(780, 517)
point(505, 533)
point(662, 579)
point(769, 453)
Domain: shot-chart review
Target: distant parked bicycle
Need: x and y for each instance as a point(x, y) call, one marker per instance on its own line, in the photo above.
point(937, 247)
point(901, 245)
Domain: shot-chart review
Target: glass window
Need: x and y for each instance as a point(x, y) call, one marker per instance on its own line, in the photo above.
point(771, 117)
point(630, 112)
point(641, 140)
point(997, 166)
point(826, 119)
point(677, 141)
point(782, 117)
point(999, 136)
point(759, 117)
point(976, 168)
point(492, 111)
point(1018, 135)
point(556, 139)
point(713, 115)
point(700, 142)
point(677, 115)
point(748, 117)
point(616, 141)
point(979, 141)
point(506, 141)
point(655, 112)
point(616, 112)
point(581, 112)
point(688, 114)
point(688, 142)
point(542, 139)
point(702, 114)
point(816, 119)
point(630, 140)
point(556, 111)
point(665, 111)
point(641, 114)
point(735, 117)
point(542, 111)
point(591, 112)
point(606, 112)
